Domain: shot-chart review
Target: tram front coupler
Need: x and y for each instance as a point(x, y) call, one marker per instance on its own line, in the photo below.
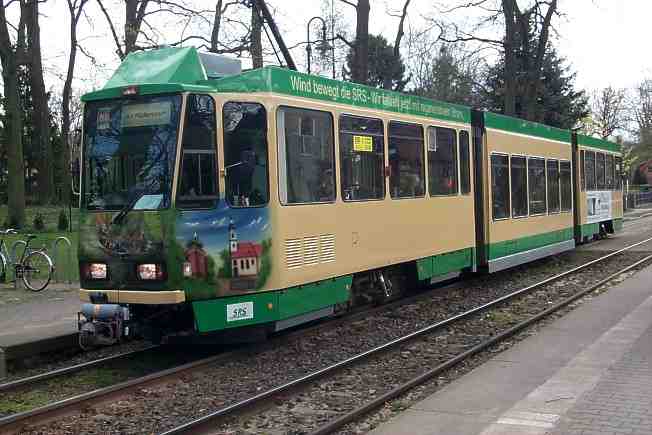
point(102, 324)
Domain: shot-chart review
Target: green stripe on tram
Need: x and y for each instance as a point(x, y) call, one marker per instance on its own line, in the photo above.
point(594, 142)
point(287, 82)
point(515, 246)
point(521, 126)
point(438, 265)
point(212, 315)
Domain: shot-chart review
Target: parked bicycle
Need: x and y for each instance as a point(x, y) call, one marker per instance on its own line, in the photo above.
point(35, 267)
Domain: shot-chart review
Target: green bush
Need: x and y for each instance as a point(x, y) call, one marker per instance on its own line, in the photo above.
point(39, 222)
point(63, 221)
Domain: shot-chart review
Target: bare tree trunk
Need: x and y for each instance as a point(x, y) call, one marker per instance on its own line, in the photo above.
point(75, 11)
point(134, 16)
point(12, 57)
point(41, 109)
point(534, 70)
point(509, 10)
point(256, 43)
point(387, 83)
point(217, 23)
point(360, 73)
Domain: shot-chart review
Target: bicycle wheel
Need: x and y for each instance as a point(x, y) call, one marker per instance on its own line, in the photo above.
point(37, 271)
point(3, 268)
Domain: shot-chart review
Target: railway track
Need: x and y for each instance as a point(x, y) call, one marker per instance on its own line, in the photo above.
point(283, 393)
point(65, 371)
point(16, 422)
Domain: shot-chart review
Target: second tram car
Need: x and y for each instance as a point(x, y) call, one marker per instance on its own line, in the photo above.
point(265, 199)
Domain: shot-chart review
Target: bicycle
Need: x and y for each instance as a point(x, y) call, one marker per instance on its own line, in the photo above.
point(34, 267)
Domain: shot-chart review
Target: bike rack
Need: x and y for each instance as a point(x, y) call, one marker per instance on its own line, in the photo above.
point(57, 254)
point(13, 254)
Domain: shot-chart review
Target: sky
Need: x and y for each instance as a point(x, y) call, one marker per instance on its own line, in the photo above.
point(606, 41)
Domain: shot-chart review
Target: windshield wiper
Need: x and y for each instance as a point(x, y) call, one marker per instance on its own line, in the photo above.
point(132, 203)
point(127, 208)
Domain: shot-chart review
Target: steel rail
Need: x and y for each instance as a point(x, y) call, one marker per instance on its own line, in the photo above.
point(379, 401)
point(13, 422)
point(31, 380)
point(188, 427)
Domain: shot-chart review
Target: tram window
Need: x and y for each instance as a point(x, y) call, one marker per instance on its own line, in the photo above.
point(565, 180)
point(519, 186)
point(306, 156)
point(500, 186)
point(599, 171)
point(537, 185)
point(198, 180)
point(590, 170)
point(582, 171)
point(362, 158)
point(465, 163)
point(618, 167)
point(245, 154)
point(609, 172)
point(552, 168)
point(406, 160)
point(442, 161)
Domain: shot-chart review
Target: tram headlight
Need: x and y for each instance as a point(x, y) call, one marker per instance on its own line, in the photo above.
point(97, 271)
point(150, 271)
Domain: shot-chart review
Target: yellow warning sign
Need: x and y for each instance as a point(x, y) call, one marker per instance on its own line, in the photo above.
point(363, 143)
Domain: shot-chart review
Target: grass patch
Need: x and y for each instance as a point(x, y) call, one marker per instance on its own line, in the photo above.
point(50, 216)
point(66, 266)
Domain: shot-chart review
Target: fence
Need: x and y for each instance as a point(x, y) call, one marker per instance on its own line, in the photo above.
point(638, 200)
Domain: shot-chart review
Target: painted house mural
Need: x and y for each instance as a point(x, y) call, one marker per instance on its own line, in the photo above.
point(226, 251)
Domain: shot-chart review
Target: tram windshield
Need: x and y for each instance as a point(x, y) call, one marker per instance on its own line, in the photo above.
point(129, 152)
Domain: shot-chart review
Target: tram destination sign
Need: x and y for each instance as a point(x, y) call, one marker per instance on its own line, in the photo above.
point(274, 79)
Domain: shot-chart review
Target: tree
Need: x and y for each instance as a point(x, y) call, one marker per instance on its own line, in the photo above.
point(384, 69)
point(41, 109)
point(75, 9)
point(359, 65)
point(447, 77)
point(641, 108)
point(524, 47)
point(13, 56)
point(608, 112)
point(558, 103)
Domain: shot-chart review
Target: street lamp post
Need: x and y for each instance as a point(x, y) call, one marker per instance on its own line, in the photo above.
point(323, 44)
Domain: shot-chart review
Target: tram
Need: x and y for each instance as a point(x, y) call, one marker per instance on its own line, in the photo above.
point(218, 204)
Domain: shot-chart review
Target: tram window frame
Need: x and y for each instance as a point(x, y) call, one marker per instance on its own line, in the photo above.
point(568, 185)
point(609, 171)
point(256, 161)
point(582, 171)
point(282, 159)
point(523, 199)
point(199, 202)
point(348, 151)
point(506, 184)
point(465, 163)
point(432, 151)
point(618, 167)
point(590, 170)
point(598, 184)
point(533, 185)
point(395, 175)
point(556, 165)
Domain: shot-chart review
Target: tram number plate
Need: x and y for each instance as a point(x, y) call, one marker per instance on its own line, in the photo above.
point(241, 311)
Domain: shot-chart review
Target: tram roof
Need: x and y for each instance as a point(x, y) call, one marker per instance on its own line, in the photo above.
point(593, 142)
point(180, 69)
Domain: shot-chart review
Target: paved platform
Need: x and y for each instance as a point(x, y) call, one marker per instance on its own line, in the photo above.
point(26, 317)
point(589, 372)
